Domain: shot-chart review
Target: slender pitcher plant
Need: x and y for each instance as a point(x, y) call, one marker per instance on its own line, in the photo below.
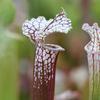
point(46, 54)
point(93, 54)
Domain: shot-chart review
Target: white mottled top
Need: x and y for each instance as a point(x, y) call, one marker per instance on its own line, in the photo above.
point(37, 29)
point(94, 33)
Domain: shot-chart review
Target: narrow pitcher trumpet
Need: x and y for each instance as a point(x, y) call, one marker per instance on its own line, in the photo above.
point(46, 54)
point(93, 54)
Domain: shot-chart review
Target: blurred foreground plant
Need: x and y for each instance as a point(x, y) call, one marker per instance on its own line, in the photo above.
point(8, 53)
point(8, 66)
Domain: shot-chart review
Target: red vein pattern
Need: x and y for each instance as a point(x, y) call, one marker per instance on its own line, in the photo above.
point(93, 54)
point(37, 29)
point(44, 71)
point(46, 54)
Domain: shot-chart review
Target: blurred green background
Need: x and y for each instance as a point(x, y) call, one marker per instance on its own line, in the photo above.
point(17, 52)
